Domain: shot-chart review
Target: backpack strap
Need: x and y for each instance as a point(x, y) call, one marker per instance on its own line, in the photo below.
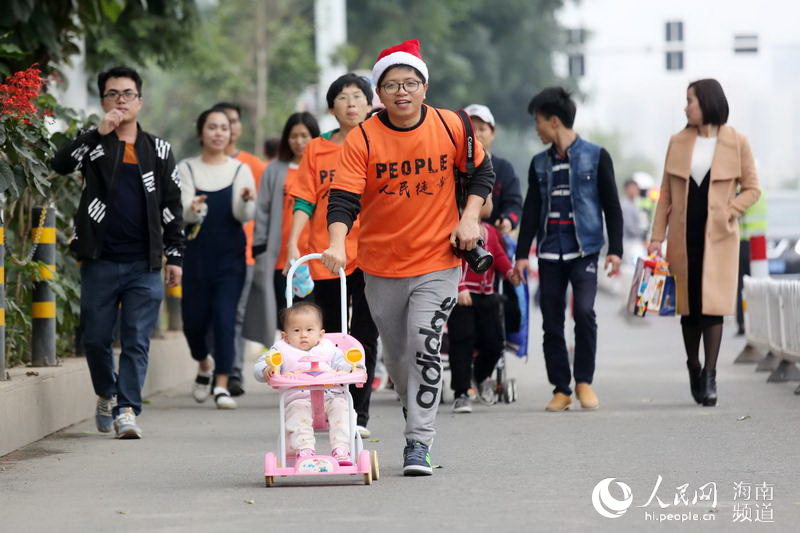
point(366, 139)
point(446, 127)
point(191, 172)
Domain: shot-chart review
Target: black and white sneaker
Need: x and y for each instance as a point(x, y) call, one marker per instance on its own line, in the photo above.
point(202, 385)
point(223, 398)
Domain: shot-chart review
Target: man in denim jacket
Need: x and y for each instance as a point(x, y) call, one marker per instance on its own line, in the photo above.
point(571, 187)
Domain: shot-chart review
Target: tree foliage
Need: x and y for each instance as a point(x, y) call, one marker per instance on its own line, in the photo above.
point(26, 180)
point(221, 66)
point(495, 52)
point(48, 32)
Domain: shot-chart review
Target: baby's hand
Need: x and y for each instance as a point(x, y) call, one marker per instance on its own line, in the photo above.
point(268, 373)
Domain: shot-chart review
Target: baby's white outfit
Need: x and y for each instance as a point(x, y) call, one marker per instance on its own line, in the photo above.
point(299, 418)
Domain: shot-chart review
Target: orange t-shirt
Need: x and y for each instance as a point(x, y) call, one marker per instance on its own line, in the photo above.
point(129, 156)
point(313, 184)
point(286, 225)
point(407, 186)
point(257, 167)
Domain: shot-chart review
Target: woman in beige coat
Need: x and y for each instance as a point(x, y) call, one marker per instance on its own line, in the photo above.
point(709, 181)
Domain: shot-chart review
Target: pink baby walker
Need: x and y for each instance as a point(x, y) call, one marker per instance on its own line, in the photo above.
point(317, 381)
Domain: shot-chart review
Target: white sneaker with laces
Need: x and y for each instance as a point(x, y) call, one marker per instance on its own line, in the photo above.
point(125, 425)
point(363, 431)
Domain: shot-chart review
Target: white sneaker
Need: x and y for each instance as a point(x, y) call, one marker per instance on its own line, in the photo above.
point(202, 384)
point(364, 432)
point(223, 398)
point(487, 393)
point(125, 425)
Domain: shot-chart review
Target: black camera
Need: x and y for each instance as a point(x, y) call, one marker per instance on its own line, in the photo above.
point(478, 259)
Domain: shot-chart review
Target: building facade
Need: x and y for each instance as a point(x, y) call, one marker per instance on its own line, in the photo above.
point(633, 60)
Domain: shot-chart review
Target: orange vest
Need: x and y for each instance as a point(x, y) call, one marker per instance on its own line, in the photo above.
point(313, 183)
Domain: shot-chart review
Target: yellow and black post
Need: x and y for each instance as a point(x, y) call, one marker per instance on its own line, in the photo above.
point(174, 317)
point(2, 298)
point(43, 311)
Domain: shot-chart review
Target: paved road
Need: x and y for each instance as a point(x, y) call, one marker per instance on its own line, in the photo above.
point(506, 467)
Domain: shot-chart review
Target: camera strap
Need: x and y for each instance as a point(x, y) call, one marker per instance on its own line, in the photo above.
point(469, 136)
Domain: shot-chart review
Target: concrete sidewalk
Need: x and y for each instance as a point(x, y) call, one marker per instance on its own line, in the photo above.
point(504, 468)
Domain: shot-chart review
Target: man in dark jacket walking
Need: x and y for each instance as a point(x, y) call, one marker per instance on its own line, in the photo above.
point(571, 190)
point(128, 218)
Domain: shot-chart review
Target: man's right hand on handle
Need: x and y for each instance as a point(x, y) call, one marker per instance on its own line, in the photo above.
point(335, 257)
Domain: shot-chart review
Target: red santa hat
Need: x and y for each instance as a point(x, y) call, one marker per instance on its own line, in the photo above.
point(406, 53)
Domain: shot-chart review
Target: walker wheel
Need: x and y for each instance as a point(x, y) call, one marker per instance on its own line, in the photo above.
point(368, 478)
point(269, 481)
point(376, 469)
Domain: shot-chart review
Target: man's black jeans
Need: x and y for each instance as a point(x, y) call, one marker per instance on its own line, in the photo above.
point(554, 276)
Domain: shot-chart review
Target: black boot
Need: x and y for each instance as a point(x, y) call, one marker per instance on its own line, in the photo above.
point(709, 380)
point(696, 383)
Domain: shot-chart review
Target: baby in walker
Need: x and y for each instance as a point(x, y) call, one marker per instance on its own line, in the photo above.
point(301, 335)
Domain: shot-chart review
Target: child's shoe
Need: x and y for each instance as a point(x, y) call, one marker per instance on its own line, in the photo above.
point(342, 456)
point(305, 453)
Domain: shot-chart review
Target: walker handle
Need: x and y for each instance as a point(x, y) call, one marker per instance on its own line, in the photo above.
point(343, 285)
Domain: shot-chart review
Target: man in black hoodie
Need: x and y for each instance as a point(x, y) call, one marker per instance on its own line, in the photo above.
point(128, 218)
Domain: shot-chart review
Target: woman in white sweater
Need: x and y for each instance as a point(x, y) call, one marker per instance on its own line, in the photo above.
point(218, 197)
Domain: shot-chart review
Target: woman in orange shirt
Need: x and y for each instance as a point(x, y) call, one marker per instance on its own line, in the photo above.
point(349, 101)
point(273, 223)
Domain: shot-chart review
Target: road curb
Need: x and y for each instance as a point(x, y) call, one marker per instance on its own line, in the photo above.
point(36, 402)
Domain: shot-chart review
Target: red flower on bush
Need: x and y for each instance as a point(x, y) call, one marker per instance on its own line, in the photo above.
point(18, 92)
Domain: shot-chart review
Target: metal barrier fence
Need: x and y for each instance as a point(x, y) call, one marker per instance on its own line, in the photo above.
point(772, 323)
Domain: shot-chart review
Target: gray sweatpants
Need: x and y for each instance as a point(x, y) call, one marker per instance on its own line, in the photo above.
point(410, 314)
point(239, 344)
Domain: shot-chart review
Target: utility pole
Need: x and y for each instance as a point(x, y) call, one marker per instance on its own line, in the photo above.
point(330, 33)
point(262, 73)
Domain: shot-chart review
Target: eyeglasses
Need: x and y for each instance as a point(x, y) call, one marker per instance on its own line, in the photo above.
point(410, 86)
point(127, 96)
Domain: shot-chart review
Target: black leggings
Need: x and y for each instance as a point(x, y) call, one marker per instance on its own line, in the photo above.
point(327, 295)
point(475, 326)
